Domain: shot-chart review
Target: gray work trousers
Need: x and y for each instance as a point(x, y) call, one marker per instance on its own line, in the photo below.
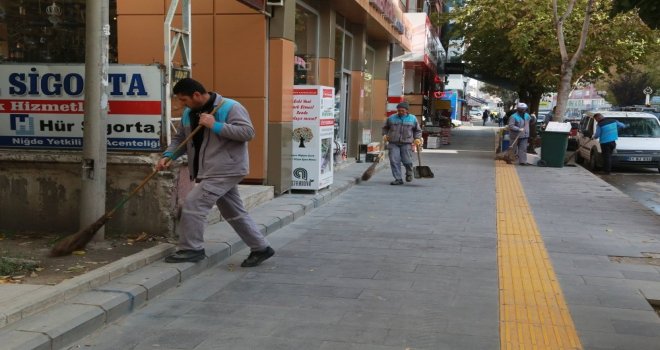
point(399, 153)
point(522, 150)
point(222, 191)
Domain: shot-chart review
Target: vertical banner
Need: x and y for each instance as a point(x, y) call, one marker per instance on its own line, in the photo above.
point(313, 132)
point(41, 106)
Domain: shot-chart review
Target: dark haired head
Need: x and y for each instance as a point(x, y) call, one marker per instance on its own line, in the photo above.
point(598, 117)
point(187, 87)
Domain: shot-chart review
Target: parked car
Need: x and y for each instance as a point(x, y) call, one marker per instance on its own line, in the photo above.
point(541, 121)
point(476, 112)
point(638, 144)
point(573, 141)
point(653, 110)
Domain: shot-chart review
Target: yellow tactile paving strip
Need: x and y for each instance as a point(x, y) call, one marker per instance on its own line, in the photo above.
point(533, 312)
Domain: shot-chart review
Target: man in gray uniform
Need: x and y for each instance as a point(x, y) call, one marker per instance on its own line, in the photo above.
point(218, 161)
point(519, 129)
point(401, 130)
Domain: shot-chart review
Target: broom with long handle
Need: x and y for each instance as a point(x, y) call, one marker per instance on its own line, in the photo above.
point(372, 168)
point(80, 239)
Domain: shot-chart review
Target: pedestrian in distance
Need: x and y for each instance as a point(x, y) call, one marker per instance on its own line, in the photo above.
point(519, 129)
point(400, 131)
point(217, 161)
point(500, 119)
point(484, 116)
point(607, 132)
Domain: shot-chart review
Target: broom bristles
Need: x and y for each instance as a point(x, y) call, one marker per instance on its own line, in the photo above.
point(369, 172)
point(372, 168)
point(79, 239)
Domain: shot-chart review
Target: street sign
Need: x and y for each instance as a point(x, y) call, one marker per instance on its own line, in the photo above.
point(41, 106)
point(648, 91)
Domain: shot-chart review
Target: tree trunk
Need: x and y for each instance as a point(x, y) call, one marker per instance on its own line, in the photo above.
point(534, 101)
point(563, 93)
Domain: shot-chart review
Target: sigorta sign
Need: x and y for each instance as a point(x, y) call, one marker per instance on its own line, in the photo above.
point(42, 107)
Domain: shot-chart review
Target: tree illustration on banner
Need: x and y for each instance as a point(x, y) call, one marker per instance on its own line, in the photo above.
point(302, 134)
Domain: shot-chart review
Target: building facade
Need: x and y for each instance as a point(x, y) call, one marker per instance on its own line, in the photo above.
point(256, 53)
point(253, 51)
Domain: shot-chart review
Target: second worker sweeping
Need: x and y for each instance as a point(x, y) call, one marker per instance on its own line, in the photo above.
point(401, 130)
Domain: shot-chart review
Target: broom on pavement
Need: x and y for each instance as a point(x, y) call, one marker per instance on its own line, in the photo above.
point(371, 170)
point(79, 240)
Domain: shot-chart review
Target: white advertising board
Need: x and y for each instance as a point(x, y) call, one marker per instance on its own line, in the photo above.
point(313, 133)
point(41, 106)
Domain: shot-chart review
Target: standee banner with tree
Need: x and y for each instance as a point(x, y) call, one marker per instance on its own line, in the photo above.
point(313, 132)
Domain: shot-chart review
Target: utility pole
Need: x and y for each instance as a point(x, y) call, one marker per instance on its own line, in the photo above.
point(94, 163)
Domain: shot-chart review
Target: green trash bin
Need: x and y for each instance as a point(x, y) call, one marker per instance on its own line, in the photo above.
point(553, 148)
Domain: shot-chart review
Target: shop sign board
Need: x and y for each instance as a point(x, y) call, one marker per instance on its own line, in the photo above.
point(313, 133)
point(42, 106)
point(388, 10)
point(454, 68)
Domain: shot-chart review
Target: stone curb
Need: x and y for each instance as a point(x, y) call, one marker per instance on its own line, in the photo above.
point(90, 301)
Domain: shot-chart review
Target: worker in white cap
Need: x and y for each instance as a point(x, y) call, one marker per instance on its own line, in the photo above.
point(519, 129)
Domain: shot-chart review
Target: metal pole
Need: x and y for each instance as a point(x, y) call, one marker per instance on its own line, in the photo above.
point(94, 164)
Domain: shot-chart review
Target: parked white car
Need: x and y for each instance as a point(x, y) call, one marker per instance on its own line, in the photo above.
point(638, 144)
point(476, 112)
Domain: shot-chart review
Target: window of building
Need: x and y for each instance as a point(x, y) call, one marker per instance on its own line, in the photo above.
point(39, 31)
point(369, 67)
point(306, 45)
point(343, 59)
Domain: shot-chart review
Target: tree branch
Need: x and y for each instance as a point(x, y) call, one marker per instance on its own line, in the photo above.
point(569, 9)
point(583, 34)
point(559, 24)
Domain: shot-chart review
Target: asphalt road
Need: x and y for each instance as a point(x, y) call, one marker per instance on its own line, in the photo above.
point(641, 184)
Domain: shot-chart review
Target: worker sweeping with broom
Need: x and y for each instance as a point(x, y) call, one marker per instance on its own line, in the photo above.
point(218, 161)
point(401, 130)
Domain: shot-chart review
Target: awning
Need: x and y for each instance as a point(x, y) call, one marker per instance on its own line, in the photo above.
point(410, 57)
point(416, 59)
point(476, 102)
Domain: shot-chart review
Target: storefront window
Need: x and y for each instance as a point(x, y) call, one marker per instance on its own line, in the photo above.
point(39, 31)
point(306, 46)
point(369, 66)
point(343, 57)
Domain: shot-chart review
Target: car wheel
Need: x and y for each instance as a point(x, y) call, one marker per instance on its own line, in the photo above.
point(593, 161)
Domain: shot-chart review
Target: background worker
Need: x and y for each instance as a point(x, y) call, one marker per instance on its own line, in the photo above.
point(400, 131)
point(607, 132)
point(217, 161)
point(519, 129)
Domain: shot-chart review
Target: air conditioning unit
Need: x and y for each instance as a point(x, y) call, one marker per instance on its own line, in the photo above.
point(275, 3)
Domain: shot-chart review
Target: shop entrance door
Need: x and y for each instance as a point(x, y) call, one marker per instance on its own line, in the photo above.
point(344, 106)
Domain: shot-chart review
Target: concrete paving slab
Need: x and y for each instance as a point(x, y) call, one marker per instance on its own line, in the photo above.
point(65, 323)
point(19, 340)
point(114, 304)
point(154, 279)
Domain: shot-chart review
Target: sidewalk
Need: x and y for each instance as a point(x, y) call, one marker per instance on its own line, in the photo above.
point(483, 256)
point(48, 317)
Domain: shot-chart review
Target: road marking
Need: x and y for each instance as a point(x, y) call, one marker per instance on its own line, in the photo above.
point(533, 312)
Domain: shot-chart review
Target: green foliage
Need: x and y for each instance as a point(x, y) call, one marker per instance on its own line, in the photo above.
point(12, 267)
point(516, 42)
point(649, 10)
point(626, 89)
point(508, 97)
